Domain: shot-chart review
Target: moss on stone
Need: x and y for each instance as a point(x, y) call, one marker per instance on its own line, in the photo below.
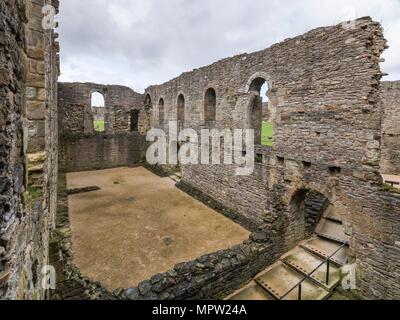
point(389, 188)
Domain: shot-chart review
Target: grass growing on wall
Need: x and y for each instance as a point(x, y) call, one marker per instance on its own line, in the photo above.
point(99, 125)
point(267, 134)
point(34, 192)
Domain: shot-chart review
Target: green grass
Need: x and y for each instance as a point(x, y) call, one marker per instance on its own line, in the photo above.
point(99, 125)
point(267, 134)
point(34, 192)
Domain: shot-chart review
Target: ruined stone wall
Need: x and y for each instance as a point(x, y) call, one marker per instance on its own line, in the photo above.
point(318, 119)
point(81, 148)
point(12, 162)
point(100, 151)
point(327, 132)
point(390, 161)
point(212, 276)
point(77, 116)
point(30, 65)
point(304, 75)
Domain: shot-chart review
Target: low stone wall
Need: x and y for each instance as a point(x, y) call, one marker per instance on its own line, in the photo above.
point(98, 151)
point(212, 276)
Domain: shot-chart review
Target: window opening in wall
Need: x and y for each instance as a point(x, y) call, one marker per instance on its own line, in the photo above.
point(134, 120)
point(99, 111)
point(261, 113)
point(161, 111)
point(181, 108)
point(210, 104)
point(147, 102)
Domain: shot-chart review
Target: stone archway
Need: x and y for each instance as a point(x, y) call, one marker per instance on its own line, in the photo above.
point(306, 209)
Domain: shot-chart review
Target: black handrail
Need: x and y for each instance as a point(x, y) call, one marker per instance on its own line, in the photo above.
point(392, 183)
point(308, 277)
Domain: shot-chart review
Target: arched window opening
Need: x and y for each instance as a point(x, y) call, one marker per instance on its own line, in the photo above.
point(210, 104)
point(261, 113)
point(99, 111)
point(255, 119)
point(181, 108)
point(134, 120)
point(147, 102)
point(161, 111)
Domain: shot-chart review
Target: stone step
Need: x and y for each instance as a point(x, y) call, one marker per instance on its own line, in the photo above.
point(331, 230)
point(175, 178)
point(252, 292)
point(305, 263)
point(279, 279)
point(331, 213)
point(325, 248)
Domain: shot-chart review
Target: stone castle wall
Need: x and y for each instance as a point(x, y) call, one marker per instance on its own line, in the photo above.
point(29, 64)
point(390, 163)
point(100, 151)
point(77, 116)
point(12, 162)
point(318, 119)
point(327, 132)
point(327, 115)
point(81, 148)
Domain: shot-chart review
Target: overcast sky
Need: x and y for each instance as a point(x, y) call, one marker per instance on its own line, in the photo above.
point(144, 42)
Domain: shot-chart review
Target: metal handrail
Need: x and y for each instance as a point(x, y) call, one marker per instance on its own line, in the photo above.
point(308, 277)
point(392, 183)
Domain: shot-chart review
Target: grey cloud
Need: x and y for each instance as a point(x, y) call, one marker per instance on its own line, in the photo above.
point(139, 43)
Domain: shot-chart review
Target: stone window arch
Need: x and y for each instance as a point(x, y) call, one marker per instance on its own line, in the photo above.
point(210, 105)
point(134, 115)
point(161, 111)
point(98, 108)
point(148, 102)
point(260, 114)
point(181, 108)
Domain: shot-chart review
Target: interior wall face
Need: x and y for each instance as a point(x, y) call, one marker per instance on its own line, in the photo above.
point(28, 139)
point(12, 77)
point(77, 116)
point(84, 149)
point(99, 151)
point(390, 161)
point(327, 133)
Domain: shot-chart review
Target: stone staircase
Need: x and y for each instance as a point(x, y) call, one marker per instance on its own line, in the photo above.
point(305, 264)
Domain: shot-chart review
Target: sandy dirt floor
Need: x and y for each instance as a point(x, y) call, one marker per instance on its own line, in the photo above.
point(139, 225)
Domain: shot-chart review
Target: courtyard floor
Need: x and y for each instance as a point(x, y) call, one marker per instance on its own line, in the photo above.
point(138, 225)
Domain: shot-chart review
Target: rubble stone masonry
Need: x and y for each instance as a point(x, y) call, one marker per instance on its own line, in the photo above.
point(81, 148)
point(29, 68)
point(390, 163)
point(335, 132)
point(325, 89)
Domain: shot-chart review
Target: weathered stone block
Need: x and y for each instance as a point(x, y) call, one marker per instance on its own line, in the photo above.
point(36, 110)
